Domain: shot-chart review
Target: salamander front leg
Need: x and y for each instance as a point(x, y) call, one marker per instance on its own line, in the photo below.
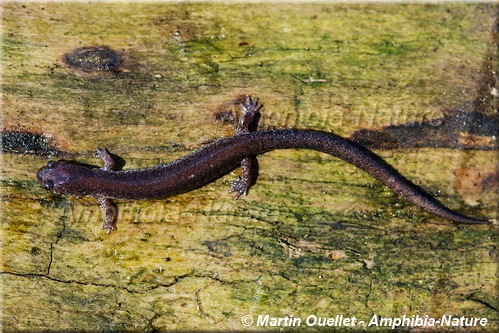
point(109, 208)
point(249, 110)
point(106, 157)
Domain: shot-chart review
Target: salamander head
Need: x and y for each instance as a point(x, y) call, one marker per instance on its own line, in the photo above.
point(61, 177)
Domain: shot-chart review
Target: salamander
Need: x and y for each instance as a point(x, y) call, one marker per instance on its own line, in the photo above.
point(216, 159)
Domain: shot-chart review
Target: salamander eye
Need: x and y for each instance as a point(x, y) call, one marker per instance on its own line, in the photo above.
point(49, 185)
point(51, 164)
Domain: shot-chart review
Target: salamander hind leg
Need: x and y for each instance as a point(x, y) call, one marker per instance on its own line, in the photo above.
point(240, 186)
point(249, 110)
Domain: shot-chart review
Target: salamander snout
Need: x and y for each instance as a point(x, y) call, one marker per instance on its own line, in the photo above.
point(47, 175)
point(56, 176)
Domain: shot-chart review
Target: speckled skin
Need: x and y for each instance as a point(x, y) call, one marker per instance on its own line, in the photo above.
point(218, 158)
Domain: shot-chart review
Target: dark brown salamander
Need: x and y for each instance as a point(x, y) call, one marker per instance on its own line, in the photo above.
point(216, 159)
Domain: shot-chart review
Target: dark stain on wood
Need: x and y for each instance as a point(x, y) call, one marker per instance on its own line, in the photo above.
point(457, 129)
point(94, 58)
point(22, 142)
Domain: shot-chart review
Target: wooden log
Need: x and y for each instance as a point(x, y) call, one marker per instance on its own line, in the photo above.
point(315, 236)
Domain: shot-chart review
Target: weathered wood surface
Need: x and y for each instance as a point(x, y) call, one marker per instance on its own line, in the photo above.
point(315, 236)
